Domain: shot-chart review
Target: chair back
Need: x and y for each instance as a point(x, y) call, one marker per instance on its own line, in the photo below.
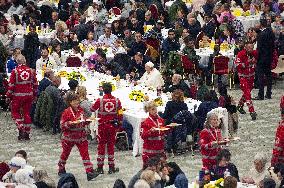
point(154, 11)
point(221, 65)
point(115, 10)
point(188, 65)
point(73, 61)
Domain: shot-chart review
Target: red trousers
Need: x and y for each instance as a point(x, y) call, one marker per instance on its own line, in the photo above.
point(106, 139)
point(20, 109)
point(84, 152)
point(246, 85)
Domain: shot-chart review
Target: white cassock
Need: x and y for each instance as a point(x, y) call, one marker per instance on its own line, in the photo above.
point(153, 79)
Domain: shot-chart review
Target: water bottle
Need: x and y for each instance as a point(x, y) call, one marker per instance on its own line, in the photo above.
point(25, 26)
point(227, 173)
point(252, 9)
point(41, 27)
point(47, 27)
point(101, 91)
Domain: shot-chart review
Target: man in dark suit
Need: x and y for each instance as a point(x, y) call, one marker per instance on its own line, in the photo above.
point(210, 26)
point(265, 48)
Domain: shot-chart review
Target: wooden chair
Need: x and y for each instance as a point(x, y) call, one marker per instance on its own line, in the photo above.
point(154, 11)
point(73, 61)
point(221, 67)
point(188, 66)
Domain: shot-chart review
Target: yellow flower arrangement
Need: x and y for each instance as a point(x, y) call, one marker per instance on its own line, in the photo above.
point(91, 48)
point(82, 47)
point(62, 74)
point(159, 101)
point(137, 95)
point(224, 46)
point(76, 76)
point(216, 184)
point(246, 13)
point(112, 85)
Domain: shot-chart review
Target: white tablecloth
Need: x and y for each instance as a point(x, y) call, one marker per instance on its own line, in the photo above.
point(205, 53)
point(249, 21)
point(43, 38)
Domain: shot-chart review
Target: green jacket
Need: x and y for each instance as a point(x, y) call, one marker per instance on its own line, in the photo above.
point(44, 115)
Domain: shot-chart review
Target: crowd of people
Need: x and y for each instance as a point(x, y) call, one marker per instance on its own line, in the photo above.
point(148, 43)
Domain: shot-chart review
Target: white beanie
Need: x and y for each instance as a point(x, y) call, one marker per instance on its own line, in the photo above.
point(18, 162)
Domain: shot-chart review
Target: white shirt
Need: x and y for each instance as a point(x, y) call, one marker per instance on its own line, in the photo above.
point(107, 41)
point(153, 79)
point(49, 62)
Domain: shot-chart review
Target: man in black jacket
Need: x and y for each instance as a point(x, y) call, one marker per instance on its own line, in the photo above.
point(170, 44)
point(177, 83)
point(265, 48)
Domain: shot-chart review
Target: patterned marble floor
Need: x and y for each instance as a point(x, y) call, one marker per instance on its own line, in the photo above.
point(44, 148)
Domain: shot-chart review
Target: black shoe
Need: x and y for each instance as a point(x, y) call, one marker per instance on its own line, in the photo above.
point(268, 96)
point(113, 170)
point(26, 136)
point(21, 136)
point(61, 172)
point(258, 98)
point(92, 175)
point(100, 170)
point(253, 115)
point(241, 109)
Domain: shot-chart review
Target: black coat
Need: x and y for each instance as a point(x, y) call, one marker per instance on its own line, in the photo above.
point(182, 86)
point(209, 29)
point(172, 108)
point(219, 171)
point(265, 47)
point(137, 47)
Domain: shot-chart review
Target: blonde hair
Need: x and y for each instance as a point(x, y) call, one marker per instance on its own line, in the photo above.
point(21, 59)
point(60, 26)
point(149, 105)
point(148, 176)
point(178, 95)
point(82, 92)
point(39, 174)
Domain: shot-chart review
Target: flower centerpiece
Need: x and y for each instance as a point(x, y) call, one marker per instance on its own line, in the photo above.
point(76, 76)
point(137, 95)
point(215, 184)
point(158, 101)
point(224, 46)
point(112, 85)
point(63, 74)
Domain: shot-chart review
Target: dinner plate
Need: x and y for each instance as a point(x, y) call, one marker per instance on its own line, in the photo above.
point(174, 125)
point(161, 129)
point(93, 119)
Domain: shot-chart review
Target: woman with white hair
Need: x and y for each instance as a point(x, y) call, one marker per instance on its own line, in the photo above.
point(15, 164)
point(211, 140)
point(259, 171)
point(152, 77)
point(24, 179)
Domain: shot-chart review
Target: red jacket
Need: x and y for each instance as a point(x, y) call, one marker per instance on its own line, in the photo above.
point(153, 140)
point(208, 152)
point(282, 102)
point(246, 65)
point(22, 82)
point(109, 107)
point(73, 132)
point(278, 153)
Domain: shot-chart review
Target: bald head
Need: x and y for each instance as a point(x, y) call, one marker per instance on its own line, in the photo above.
point(56, 80)
point(176, 79)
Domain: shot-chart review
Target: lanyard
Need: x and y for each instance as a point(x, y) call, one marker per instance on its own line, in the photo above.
point(216, 135)
point(156, 123)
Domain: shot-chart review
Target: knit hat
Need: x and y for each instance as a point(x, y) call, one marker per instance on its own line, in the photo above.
point(17, 162)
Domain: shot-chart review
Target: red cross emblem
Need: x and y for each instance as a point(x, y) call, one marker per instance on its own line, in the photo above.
point(109, 106)
point(25, 75)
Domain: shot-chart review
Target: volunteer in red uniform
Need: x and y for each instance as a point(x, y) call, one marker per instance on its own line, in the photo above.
point(74, 133)
point(210, 141)
point(153, 139)
point(21, 92)
point(109, 108)
point(278, 150)
point(245, 64)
